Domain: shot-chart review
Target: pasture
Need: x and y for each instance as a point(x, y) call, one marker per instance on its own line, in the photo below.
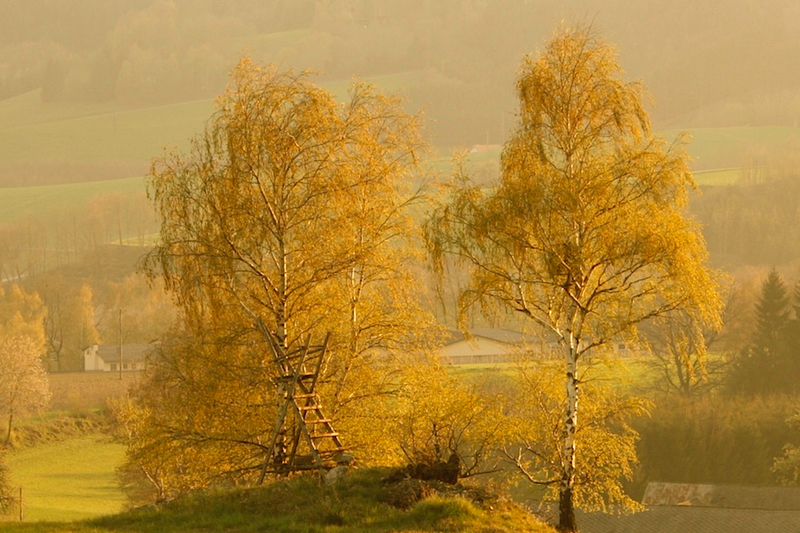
point(20, 202)
point(31, 130)
point(65, 460)
point(68, 480)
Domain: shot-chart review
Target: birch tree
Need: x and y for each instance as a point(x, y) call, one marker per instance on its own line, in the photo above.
point(23, 382)
point(290, 216)
point(585, 235)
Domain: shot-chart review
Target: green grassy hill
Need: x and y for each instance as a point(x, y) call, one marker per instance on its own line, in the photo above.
point(354, 505)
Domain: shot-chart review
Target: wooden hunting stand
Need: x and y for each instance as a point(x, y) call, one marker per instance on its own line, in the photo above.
point(300, 416)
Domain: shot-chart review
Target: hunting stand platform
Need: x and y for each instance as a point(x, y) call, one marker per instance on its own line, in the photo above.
point(300, 417)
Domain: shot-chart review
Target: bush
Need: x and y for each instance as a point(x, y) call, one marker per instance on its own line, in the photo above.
point(718, 440)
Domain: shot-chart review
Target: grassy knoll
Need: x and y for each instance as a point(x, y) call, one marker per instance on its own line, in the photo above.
point(69, 480)
point(355, 505)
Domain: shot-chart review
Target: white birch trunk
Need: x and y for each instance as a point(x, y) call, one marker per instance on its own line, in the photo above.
point(566, 519)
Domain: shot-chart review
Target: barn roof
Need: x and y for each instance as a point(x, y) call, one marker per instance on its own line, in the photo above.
point(506, 336)
point(130, 352)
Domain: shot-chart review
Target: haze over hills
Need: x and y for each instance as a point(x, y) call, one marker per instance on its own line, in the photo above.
point(105, 70)
point(91, 91)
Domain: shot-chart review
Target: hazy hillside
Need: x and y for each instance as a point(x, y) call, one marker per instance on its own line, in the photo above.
point(706, 65)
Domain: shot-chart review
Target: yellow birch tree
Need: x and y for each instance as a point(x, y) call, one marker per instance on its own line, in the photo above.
point(292, 216)
point(24, 387)
point(585, 235)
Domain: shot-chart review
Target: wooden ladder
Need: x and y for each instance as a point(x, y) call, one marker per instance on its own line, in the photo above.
point(299, 373)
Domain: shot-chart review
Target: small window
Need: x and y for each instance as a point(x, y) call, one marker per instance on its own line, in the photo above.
point(621, 346)
point(113, 366)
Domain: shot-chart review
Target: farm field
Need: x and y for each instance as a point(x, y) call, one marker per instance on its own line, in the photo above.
point(724, 148)
point(720, 177)
point(32, 130)
point(93, 133)
point(69, 480)
point(40, 133)
point(19, 202)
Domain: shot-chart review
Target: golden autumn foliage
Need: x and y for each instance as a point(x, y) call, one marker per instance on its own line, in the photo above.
point(439, 413)
point(23, 381)
point(292, 214)
point(585, 235)
point(607, 452)
point(23, 313)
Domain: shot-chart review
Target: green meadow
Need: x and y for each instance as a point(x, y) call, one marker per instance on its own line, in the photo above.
point(68, 480)
point(19, 202)
point(33, 131)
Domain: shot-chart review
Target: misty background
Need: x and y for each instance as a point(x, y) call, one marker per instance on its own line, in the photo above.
point(92, 90)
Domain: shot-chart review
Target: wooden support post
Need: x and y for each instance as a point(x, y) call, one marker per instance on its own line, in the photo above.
point(120, 343)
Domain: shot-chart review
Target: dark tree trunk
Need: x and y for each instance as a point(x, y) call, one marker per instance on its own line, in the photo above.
point(566, 512)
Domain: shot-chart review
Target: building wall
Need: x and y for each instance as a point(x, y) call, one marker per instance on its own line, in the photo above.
point(479, 350)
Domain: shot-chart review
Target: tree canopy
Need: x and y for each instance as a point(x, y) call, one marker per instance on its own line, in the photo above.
point(585, 235)
point(290, 217)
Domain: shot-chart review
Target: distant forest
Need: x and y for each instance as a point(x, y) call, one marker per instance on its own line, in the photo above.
point(706, 63)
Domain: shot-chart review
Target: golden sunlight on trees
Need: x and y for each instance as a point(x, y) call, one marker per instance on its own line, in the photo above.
point(291, 216)
point(585, 234)
point(70, 323)
point(441, 414)
point(608, 443)
point(23, 382)
point(23, 314)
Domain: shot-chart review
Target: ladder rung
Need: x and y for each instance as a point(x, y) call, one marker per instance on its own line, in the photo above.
point(319, 421)
point(302, 375)
point(324, 435)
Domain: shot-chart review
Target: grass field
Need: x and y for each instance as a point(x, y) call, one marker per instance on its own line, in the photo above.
point(32, 130)
point(65, 132)
point(69, 480)
point(723, 176)
point(715, 148)
point(19, 202)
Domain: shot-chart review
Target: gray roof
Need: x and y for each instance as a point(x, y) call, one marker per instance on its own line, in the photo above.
point(506, 336)
point(692, 508)
point(687, 519)
point(722, 496)
point(131, 353)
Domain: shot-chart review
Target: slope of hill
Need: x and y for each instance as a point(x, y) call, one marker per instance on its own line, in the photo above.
point(354, 505)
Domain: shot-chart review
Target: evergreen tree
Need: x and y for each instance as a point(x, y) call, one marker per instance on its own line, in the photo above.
point(766, 365)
